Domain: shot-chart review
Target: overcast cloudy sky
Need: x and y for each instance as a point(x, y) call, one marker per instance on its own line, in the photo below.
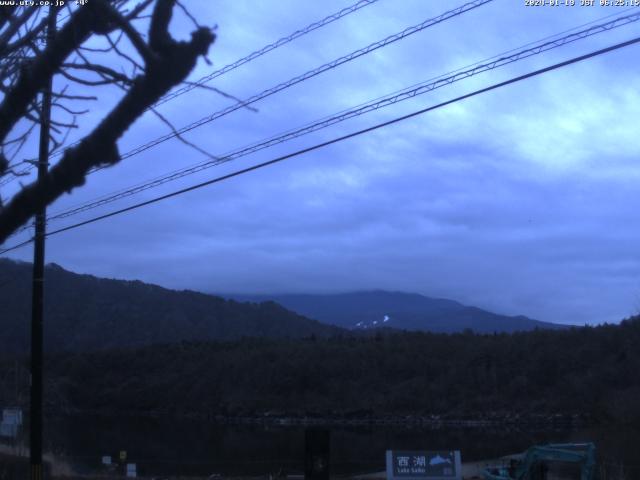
point(523, 200)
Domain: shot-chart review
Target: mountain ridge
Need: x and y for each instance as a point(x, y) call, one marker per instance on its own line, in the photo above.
point(84, 312)
point(367, 309)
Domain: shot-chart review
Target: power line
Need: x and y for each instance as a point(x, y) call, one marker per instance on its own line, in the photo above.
point(232, 66)
point(497, 56)
point(296, 80)
point(16, 247)
point(379, 103)
point(266, 49)
point(311, 73)
point(342, 138)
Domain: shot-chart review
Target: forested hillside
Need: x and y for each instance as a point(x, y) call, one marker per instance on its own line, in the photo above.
point(85, 313)
point(590, 371)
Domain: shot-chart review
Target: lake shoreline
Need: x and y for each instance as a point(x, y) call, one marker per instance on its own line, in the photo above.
point(509, 420)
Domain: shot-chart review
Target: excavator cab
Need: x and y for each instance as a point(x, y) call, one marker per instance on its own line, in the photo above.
point(535, 462)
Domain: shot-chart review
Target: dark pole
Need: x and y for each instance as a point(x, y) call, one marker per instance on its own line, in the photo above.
point(35, 438)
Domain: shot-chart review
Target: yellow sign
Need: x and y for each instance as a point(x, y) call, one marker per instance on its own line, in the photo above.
point(123, 455)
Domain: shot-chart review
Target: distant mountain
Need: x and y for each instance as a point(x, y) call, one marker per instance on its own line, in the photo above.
point(406, 311)
point(83, 312)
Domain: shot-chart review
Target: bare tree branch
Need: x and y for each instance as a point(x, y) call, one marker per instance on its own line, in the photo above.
point(15, 23)
point(138, 9)
point(114, 47)
point(223, 94)
point(188, 14)
point(134, 37)
point(68, 110)
point(171, 62)
point(74, 97)
point(100, 69)
point(180, 137)
point(26, 40)
point(83, 22)
point(159, 38)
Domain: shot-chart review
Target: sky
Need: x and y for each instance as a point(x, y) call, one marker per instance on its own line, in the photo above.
point(522, 200)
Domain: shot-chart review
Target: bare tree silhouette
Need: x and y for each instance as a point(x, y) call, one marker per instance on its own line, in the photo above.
point(150, 64)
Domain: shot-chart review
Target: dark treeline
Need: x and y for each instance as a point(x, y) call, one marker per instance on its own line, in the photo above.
point(592, 371)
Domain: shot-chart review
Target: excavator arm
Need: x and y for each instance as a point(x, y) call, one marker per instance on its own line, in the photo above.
point(580, 453)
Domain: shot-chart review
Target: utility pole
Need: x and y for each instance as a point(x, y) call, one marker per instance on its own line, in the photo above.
point(35, 438)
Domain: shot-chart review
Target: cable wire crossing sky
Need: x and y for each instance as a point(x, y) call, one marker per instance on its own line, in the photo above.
point(360, 110)
point(511, 187)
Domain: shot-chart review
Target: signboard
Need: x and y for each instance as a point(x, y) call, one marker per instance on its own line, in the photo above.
point(106, 460)
point(123, 455)
point(11, 422)
point(131, 470)
point(12, 416)
point(424, 465)
point(8, 430)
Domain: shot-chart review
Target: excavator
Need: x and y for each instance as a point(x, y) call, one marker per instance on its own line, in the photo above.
point(534, 464)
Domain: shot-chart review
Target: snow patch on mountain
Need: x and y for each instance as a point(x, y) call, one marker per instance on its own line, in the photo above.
point(364, 325)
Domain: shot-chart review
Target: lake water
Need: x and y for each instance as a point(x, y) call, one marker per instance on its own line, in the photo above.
point(191, 447)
